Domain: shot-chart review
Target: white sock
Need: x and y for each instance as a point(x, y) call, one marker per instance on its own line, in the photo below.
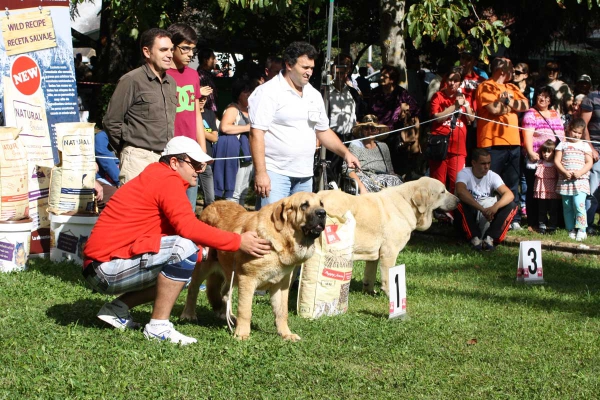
point(158, 322)
point(120, 304)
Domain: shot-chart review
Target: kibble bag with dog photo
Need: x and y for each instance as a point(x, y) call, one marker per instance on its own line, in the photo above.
point(325, 278)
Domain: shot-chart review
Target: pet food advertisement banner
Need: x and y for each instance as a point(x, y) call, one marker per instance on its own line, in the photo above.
point(326, 276)
point(72, 183)
point(37, 91)
point(14, 194)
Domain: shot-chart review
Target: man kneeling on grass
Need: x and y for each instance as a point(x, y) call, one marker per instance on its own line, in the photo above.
point(480, 212)
point(145, 243)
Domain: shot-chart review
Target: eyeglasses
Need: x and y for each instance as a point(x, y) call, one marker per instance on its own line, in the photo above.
point(196, 166)
point(520, 73)
point(187, 49)
point(552, 69)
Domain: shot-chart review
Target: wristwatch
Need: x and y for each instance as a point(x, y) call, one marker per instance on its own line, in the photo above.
point(506, 100)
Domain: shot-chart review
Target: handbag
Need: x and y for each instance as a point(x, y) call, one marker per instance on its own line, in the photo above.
point(437, 147)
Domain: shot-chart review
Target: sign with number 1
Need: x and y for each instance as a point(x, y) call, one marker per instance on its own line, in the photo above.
point(397, 291)
point(530, 268)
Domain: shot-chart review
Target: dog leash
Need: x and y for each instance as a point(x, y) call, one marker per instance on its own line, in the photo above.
point(228, 308)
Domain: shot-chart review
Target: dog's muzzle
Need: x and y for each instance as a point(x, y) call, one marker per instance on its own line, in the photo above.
point(315, 224)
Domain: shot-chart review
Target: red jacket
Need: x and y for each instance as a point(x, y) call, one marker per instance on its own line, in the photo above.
point(151, 206)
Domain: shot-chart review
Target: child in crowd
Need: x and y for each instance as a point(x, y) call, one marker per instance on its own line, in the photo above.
point(573, 161)
point(546, 176)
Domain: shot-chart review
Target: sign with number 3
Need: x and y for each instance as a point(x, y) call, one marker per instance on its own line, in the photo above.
point(397, 285)
point(530, 268)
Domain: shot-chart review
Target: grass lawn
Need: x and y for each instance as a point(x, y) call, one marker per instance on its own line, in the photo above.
point(473, 332)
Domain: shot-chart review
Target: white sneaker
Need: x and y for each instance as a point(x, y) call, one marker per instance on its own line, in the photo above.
point(581, 236)
point(476, 243)
point(572, 234)
point(167, 332)
point(515, 226)
point(117, 317)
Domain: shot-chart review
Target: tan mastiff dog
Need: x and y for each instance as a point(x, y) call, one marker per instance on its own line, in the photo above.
point(291, 225)
point(386, 219)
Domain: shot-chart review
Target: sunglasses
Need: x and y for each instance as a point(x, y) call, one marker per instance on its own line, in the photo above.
point(196, 166)
point(520, 73)
point(552, 69)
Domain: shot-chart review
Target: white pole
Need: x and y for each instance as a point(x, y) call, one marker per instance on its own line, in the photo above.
point(370, 56)
point(326, 82)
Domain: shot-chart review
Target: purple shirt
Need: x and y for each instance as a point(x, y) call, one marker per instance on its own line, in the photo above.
point(387, 107)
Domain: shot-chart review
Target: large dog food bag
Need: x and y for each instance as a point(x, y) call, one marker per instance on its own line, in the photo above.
point(14, 189)
point(325, 278)
point(72, 181)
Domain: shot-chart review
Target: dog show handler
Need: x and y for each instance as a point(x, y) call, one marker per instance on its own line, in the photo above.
point(146, 241)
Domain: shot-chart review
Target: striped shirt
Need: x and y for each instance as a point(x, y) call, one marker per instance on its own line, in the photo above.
point(573, 159)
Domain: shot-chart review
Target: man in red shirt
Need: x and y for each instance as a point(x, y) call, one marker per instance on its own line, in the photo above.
point(145, 243)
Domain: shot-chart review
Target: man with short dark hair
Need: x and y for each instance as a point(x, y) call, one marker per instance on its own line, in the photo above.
point(483, 218)
point(498, 104)
point(188, 120)
point(140, 118)
point(146, 241)
point(287, 117)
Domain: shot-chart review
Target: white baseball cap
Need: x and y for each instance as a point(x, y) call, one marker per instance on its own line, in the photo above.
point(185, 145)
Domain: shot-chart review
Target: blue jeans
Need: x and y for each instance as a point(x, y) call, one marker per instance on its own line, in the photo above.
point(192, 195)
point(284, 186)
point(505, 162)
point(594, 199)
point(207, 186)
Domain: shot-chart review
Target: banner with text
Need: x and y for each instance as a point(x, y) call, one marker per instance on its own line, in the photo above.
point(38, 90)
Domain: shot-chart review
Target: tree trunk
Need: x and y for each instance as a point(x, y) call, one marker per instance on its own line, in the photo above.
point(393, 47)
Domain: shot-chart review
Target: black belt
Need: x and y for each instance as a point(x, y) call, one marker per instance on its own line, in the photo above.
point(90, 269)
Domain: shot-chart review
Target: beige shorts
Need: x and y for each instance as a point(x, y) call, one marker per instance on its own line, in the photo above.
point(133, 162)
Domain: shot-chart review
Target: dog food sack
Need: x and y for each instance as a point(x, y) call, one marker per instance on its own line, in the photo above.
point(72, 181)
point(14, 190)
point(325, 278)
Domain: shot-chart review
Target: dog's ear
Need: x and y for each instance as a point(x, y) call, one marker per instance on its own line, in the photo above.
point(279, 216)
point(421, 199)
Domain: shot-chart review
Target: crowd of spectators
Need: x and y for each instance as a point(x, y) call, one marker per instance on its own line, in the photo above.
point(504, 108)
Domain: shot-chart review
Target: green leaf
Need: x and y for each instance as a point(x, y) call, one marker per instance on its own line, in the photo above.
point(417, 41)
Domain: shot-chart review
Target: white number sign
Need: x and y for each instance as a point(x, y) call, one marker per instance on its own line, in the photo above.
point(530, 268)
point(397, 290)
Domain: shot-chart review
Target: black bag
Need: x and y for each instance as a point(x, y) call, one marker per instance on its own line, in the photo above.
point(437, 147)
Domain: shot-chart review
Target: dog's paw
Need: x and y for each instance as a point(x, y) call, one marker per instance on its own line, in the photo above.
point(292, 337)
point(240, 336)
point(188, 316)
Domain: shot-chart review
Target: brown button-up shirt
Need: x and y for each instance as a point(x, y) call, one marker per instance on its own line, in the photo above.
point(141, 112)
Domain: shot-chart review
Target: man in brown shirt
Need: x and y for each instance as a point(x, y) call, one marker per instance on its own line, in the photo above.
point(140, 118)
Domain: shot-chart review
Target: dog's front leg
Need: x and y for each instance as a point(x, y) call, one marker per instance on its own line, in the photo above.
point(279, 301)
point(246, 287)
point(370, 277)
point(385, 264)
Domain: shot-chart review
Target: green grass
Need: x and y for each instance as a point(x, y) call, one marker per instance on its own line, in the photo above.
point(532, 342)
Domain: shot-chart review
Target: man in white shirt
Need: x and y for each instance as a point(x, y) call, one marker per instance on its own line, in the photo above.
point(476, 187)
point(287, 115)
